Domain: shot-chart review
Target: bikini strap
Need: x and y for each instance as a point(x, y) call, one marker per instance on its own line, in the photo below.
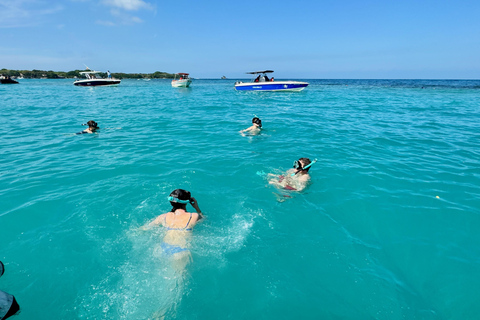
point(189, 220)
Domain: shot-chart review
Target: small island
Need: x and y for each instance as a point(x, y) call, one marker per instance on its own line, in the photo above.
point(42, 74)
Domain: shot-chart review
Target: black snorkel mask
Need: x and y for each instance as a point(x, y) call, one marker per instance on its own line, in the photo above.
point(257, 121)
point(91, 123)
point(298, 165)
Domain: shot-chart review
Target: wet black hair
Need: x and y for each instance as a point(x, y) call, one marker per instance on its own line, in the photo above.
point(181, 195)
point(257, 121)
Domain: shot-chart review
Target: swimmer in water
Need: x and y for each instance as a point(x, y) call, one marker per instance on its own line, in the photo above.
point(175, 245)
point(179, 224)
point(255, 128)
point(295, 179)
point(92, 127)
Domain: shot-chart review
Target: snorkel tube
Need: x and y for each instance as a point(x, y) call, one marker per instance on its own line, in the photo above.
point(297, 165)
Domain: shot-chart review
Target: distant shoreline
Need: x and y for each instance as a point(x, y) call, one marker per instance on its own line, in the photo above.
point(42, 74)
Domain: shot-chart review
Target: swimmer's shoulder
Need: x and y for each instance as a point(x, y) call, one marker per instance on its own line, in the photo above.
point(160, 220)
point(304, 178)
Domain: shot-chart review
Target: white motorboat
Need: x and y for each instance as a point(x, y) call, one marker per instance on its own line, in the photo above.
point(93, 79)
point(183, 80)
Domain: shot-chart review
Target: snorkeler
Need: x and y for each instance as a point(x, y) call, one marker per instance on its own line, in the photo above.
point(178, 223)
point(295, 179)
point(175, 245)
point(92, 127)
point(255, 128)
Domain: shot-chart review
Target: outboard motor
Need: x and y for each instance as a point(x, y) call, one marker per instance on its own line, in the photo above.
point(8, 304)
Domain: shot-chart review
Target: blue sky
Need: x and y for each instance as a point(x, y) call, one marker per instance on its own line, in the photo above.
point(298, 39)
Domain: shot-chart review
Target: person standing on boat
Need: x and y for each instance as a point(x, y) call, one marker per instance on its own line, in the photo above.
point(109, 75)
point(255, 128)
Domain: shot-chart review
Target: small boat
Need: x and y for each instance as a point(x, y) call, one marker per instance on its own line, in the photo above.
point(263, 83)
point(183, 80)
point(7, 80)
point(93, 79)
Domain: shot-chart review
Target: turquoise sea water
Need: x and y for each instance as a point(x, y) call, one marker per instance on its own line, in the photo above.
point(388, 228)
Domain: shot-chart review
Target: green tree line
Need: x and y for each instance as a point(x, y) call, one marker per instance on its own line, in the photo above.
point(39, 74)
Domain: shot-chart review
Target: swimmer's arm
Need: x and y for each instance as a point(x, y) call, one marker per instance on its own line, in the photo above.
point(299, 187)
point(248, 129)
point(156, 222)
point(195, 206)
point(276, 183)
point(274, 179)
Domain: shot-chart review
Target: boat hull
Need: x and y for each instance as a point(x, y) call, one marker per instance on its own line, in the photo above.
point(8, 81)
point(271, 86)
point(97, 82)
point(184, 83)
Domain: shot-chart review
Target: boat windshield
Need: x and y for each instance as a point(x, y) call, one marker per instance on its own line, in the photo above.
point(262, 78)
point(91, 75)
point(181, 76)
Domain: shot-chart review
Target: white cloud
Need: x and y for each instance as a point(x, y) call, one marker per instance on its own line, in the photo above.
point(21, 13)
point(120, 8)
point(125, 18)
point(129, 5)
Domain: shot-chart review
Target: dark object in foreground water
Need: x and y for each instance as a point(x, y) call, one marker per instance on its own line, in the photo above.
point(7, 80)
point(8, 304)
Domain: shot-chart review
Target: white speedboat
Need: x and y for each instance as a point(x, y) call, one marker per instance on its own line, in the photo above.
point(263, 83)
point(93, 79)
point(181, 80)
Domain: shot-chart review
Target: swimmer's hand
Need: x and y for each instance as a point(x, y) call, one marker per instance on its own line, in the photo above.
point(144, 228)
point(194, 204)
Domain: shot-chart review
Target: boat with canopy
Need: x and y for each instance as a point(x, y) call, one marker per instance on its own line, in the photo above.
point(181, 80)
point(93, 79)
point(263, 83)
